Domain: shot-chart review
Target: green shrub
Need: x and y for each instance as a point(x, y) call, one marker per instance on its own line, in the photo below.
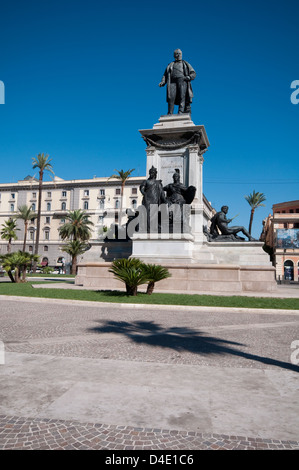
point(134, 273)
point(154, 273)
point(130, 271)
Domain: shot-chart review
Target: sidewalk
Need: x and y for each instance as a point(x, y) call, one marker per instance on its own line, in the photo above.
point(81, 376)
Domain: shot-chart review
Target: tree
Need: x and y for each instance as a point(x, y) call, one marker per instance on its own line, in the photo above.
point(123, 176)
point(26, 214)
point(154, 273)
point(77, 227)
point(8, 232)
point(17, 262)
point(255, 200)
point(75, 248)
point(42, 162)
point(130, 272)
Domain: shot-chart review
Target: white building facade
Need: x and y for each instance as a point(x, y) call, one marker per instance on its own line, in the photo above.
point(100, 198)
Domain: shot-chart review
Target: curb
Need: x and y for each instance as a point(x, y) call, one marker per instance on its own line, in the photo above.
point(202, 309)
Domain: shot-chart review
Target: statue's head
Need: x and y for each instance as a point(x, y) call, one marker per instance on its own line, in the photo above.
point(224, 209)
point(178, 54)
point(176, 175)
point(153, 171)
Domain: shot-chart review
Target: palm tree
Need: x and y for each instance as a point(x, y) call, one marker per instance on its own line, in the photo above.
point(26, 214)
point(17, 262)
point(8, 232)
point(255, 200)
point(75, 248)
point(130, 272)
point(123, 176)
point(154, 273)
point(77, 226)
point(42, 162)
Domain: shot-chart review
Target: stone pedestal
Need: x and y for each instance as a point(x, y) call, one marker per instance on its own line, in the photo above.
point(163, 248)
point(176, 142)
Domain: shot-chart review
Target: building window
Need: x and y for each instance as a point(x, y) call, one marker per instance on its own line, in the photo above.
point(116, 217)
point(102, 204)
point(47, 234)
point(102, 192)
point(31, 235)
point(134, 203)
point(46, 248)
point(117, 204)
point(63, 194)
point(49, 194)
point(30, 248)
point(63, 206)
point(289, 270)
point(12, 195)
point(33, 207)
point(48, 206)
point(62, 221)
point(134, 190)
point(101, 219)
point(86, 192)
point(85, 205)
point(48, 219)
point(12, 208)
point(117, 191)
point(33, 195)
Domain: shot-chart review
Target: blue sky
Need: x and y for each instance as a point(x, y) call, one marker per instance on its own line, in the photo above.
point(81, 78)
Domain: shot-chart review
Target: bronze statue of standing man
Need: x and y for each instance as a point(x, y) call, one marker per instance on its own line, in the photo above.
point(178, 76)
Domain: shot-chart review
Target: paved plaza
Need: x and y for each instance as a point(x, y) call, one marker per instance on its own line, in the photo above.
point(85, 375)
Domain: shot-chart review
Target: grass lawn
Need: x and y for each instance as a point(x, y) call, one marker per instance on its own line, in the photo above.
point(7, 288)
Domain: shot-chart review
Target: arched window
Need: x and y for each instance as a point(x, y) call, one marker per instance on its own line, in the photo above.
point(117, 203)
point(48, 206)
point(12, 208)
point(33, 207)
point(85, 205)
point(31, 235)
point(63, 206)
point(134, 203)
point(289, 270)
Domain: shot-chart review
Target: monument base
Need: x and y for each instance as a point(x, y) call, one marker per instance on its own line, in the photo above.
point(188, 278)
point(236, 268)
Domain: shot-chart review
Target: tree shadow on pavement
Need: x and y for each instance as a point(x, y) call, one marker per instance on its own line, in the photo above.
point(182, 339)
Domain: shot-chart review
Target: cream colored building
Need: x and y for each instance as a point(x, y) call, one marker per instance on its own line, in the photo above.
point(99, 197)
